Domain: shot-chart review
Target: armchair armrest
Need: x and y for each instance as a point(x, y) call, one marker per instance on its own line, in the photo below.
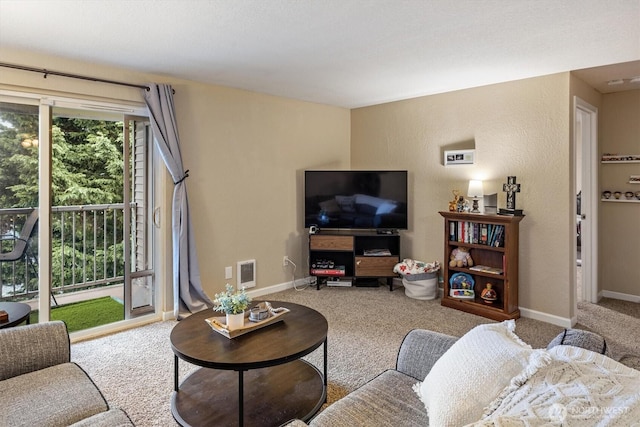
point(419, 350)
point(30, 348)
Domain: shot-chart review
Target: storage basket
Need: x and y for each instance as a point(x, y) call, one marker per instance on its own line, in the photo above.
point(422, 286)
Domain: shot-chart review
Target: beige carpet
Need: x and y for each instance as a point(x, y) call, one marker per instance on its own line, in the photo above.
point(134, 368)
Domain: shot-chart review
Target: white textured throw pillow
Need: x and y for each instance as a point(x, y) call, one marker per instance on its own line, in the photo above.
point(472, 373)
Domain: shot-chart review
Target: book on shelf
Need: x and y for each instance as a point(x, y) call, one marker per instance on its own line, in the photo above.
point(486, 269)
point(498, 240)
point(483, 234)
point(476, 233)
point(377, 252)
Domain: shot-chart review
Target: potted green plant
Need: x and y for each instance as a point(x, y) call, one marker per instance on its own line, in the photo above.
point(233, 304)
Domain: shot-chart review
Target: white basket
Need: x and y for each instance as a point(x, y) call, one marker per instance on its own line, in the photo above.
point(421, 286)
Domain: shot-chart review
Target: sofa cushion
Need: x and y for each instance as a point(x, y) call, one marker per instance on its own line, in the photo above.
point(473, 372)
point(580, 338)
point(112, 418)
point(386, 400)
point(56, 396)
point(420, 350)
point(18, 347)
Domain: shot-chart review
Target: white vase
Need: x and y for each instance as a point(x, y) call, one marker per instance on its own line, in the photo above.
point(235, 321)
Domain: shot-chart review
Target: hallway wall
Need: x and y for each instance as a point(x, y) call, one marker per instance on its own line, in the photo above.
point(619, 225)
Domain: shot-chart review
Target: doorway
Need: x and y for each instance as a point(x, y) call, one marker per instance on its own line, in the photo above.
point(586, 169)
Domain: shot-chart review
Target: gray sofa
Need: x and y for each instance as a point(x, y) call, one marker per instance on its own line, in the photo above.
point(40, 386)
point(389, 399)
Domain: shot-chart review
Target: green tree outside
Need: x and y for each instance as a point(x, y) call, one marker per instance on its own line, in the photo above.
point(87, 169)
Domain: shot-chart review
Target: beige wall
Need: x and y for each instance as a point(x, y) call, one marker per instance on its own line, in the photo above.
point(245, 152)
point(518, 128)
point(619, 223)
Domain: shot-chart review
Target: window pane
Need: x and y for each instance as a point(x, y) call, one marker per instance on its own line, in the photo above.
point(18, 197)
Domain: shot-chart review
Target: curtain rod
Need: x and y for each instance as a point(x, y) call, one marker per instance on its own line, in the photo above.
point(73, 76)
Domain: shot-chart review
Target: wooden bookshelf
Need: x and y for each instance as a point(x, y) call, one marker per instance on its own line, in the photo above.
point(497, 252)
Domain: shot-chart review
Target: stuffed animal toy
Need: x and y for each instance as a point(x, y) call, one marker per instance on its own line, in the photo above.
point(460, 257)
point(453, 205)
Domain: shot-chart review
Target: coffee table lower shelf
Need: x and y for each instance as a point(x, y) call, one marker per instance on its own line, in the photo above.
point(272, 396)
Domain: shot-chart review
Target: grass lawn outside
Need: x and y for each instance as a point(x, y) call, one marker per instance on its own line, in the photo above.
point(86, 314)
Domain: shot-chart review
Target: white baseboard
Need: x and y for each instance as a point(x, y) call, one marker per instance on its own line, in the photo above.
point(549, 318)
point(569, 323)
point(621, 296)
point(121, 325)
point(254, 293)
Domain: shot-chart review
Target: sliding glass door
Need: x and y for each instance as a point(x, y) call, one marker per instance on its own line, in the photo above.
point(96, 165)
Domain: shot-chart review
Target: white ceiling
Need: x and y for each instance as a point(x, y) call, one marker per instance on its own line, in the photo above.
point(348, 53)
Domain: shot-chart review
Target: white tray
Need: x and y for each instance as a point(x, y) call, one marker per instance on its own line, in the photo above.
point(219, 323)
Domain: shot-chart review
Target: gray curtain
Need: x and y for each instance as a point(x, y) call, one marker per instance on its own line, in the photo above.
point(188, 296)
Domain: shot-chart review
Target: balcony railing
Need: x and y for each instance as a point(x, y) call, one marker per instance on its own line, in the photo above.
point(87, 250)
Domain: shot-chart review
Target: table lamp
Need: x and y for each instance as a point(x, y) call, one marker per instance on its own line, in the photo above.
point(475, 192)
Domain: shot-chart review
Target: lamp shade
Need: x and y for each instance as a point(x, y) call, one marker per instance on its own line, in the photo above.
point(475, 188)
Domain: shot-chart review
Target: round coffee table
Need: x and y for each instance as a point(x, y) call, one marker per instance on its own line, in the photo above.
point(18, 313)
point(253, 379)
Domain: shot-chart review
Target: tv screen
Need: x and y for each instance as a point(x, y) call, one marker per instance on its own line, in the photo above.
point(356, 199)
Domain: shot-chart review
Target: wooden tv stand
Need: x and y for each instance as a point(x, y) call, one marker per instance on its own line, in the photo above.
point(351, 250)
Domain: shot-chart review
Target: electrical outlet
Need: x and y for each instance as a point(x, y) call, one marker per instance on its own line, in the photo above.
point(228, 272)
point(285, 260)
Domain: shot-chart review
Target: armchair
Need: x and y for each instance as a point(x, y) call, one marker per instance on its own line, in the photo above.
point(39, 385)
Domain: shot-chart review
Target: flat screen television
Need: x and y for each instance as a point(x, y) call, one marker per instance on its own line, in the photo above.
point(353, 199)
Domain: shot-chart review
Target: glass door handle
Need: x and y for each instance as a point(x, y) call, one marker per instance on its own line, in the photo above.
point(156, 217)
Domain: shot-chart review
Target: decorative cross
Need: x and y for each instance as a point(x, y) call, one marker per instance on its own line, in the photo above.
point(511, 188)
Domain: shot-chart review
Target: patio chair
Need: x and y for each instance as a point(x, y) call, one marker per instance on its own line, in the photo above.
point(22, 247)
